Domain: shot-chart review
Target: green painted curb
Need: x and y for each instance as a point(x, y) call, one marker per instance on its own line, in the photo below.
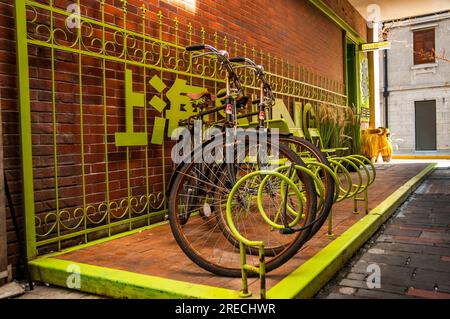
point(118, 283)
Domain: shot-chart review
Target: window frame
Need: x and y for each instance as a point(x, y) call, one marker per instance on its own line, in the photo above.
point(427, 59)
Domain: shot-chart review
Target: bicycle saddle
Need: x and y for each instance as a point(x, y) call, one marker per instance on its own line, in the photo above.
point(205, 95)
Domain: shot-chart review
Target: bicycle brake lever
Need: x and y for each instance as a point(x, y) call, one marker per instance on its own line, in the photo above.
point(200, 55)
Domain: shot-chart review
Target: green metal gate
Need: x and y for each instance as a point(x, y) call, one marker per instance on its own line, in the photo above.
point(99, 92)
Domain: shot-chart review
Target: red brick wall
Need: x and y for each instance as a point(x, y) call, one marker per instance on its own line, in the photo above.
point(346, 11)
point(293, 30)
point(290, 29)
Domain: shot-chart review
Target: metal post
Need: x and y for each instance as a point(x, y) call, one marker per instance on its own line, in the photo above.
point(366, 200)
point(262, 272)
point(25, 126)
point(244, 293)
point(330, 224)
point(355, 203)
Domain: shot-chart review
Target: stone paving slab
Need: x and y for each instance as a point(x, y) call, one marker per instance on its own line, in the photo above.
point(41, 291)
point(412, 250)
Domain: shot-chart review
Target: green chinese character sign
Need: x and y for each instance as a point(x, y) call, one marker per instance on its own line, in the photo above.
point(132, 100)
point(180, 107)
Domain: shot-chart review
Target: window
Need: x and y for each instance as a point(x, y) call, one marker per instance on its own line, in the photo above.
point(424, 46)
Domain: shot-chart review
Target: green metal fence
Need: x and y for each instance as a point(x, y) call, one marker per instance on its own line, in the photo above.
point(99, 93)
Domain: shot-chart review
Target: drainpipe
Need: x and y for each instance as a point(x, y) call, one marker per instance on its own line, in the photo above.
point(386, 90)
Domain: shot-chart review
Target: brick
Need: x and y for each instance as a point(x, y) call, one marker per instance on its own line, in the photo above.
point(427, 294)
point(376, 294)
point(413, 248)
point(418, 239)
point(346, 290)
point(428, 229)
point(340, 296)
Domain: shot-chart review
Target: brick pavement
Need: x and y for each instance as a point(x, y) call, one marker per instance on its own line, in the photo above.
point(412, 250)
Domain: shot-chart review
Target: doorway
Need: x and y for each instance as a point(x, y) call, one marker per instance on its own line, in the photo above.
point(425, 118)
point(351, 72)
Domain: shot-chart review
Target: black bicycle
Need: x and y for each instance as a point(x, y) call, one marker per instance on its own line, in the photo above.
point(198, 189)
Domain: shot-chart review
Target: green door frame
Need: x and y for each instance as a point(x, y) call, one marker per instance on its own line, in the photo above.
point(25, 127)
point(351, 71)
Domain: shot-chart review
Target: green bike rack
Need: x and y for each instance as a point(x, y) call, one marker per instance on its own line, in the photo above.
point(244, 242)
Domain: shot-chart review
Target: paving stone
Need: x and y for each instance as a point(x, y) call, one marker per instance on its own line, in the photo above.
point(425, 261)
point(428, 228)
point(386, 259)
point(347, 290)
point(383, 286)
point(430, 277)
point(429, 285)
point(403, 232)
point(52, 292)
point(377, 294)
point(433, 263)
point(436, 235)
point(414, 248)
point(376, 251)
point(356, 276)
point(335, 295)
point(11, 289)
point(424, 240)
point(385, 239)
point(421, 293)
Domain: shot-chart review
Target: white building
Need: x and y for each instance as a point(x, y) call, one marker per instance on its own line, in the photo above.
point(415, 94)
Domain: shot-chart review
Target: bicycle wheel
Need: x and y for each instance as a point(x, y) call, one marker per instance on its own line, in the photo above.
point(311, 153)
point(250, 222)
point(205, 237)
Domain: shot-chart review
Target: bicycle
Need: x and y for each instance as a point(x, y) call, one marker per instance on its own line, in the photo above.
point(198, 190)
point(328, 167)
point(303, 148)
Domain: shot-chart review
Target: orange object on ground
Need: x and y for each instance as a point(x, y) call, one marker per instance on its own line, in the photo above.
point(376, 141)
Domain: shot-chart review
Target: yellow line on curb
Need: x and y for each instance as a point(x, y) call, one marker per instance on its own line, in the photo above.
point(309, 278)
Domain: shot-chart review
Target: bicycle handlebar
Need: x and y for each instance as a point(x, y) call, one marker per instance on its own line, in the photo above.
point(238, 59)
point(195, 47)
point(259, 71)
point(222, 56)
